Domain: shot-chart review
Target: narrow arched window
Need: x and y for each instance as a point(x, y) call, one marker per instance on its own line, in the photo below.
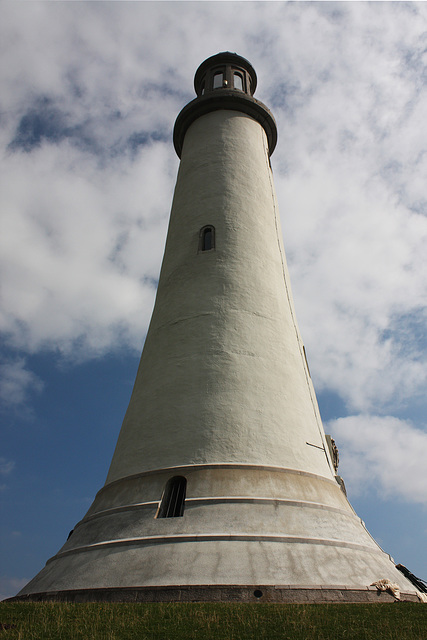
point(172, 504)
point(207, 238)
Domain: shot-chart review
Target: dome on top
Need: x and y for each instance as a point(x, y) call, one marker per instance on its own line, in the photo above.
point(225, 70)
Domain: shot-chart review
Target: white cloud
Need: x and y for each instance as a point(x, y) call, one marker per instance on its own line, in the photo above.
point(350, 185)
point(93, 243)
point(359, 274)
point(16, 383)
point(384, 455)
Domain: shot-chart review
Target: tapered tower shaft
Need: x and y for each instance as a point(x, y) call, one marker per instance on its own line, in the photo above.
point(223, 376)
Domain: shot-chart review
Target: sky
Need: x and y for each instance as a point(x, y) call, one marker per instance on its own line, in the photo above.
point(89, 92)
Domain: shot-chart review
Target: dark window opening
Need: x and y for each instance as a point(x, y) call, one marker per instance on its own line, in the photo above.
point(207, 238)
point(172, 504)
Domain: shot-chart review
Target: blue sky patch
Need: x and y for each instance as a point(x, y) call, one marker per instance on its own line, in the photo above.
point(44, 121)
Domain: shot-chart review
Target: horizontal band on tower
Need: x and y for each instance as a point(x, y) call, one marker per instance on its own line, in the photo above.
point(215, 465)
point(214, 537)
point(220, 500)
point(228, 100)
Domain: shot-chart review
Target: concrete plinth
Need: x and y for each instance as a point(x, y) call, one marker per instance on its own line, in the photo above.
point(223, 593)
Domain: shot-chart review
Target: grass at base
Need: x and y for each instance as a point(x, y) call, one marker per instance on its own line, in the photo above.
point(219, 621)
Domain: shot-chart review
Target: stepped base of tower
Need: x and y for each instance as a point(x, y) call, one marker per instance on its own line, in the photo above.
point(203, 570)
point(244, 525)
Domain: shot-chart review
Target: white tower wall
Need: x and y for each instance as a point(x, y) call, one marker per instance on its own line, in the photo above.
point(223, 376)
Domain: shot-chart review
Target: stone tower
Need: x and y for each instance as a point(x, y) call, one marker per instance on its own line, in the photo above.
point(223, 484)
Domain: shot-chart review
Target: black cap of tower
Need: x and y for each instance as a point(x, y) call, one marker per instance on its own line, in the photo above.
point(225, 81)
point(229, 69)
